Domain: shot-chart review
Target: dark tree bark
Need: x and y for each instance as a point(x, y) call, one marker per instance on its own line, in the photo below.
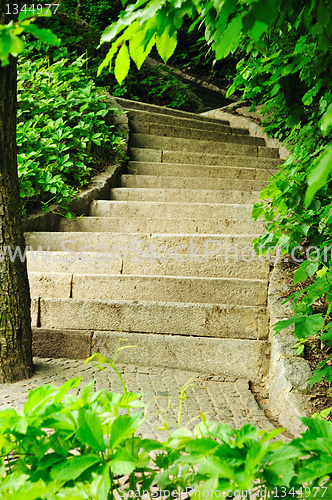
point(15, 321)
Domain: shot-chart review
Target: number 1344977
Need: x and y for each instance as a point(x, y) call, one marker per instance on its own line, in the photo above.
point(34, 9)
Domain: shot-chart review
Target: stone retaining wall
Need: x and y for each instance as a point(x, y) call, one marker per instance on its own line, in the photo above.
point(288, 374)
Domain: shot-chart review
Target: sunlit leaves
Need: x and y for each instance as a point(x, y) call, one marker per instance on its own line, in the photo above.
point(122, 64)
point(318, 176)
point(166, 44)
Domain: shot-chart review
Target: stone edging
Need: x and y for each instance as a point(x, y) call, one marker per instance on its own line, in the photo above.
point(98, 188)
point(240, 117)
point(288, 372)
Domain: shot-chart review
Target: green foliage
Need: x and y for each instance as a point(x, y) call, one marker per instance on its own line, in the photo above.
point(154, 84)
point(97, 13)
point(12, 44)
point(65, 131)
point(74, 443)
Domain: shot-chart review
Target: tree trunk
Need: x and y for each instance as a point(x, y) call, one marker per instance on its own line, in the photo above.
point(15, 320)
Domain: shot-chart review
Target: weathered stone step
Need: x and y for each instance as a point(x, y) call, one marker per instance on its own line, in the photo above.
point(183, 195)
point(152, 108)
point(147, 225)
point(158, 129)
point(67, 263)
point(233, 357)
point(200, 146)
point(97, 263)
point(163, 181)
point(241, 358)
point(201, 172)
point(149, 288)
point(138, 118)
point(220, 160)
point(204, 320)
point(166, 210)
point(141, 246)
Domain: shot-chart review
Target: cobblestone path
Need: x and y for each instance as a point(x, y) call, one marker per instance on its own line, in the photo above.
point(224, 399)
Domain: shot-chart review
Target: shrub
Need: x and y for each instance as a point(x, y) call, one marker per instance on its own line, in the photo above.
point(65, 132)
point(73, 446)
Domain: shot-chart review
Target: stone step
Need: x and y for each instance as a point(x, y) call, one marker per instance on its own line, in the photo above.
point(147, 141)
point(231, 357)
point(152, 108)
point(164, 156)
point(94, 263)
point(242, 358)
point(147, 225)
point(149, 288)
point(81, 263)
point(166, 210)
point(169, 210)
point(138, 118)
point(176, 182)
point(201, 172)
point(183, 195)
point(142, 246)
point(159, 129)
point(197, 320)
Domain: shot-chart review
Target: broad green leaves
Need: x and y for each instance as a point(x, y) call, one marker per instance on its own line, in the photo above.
point(229, 39)
point(319, 175)
point(157, 22)
point(304, 326)
point(99, 448)
point(166, 44)
point(10, 42)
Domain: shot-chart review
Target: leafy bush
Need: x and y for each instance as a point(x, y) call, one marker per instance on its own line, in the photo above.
point(66, 445)
point(291, 82)
point(65, 131)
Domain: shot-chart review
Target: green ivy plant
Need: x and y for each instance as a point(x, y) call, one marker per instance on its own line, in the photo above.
point(65, 131)
point(78, 443)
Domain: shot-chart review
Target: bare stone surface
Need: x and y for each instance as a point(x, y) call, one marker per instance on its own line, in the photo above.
point(231, 357)
point(70, 344)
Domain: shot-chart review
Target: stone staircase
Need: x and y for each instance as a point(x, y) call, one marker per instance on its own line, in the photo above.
point(156, 262)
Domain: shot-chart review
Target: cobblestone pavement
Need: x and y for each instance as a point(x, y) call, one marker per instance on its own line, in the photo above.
point(224, 399)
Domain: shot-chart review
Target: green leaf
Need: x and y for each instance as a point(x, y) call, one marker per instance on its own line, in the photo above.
point(203, 446)
point(323, 14)
point(73, 467)
point(315, 470)
point(214, 467)
point(166, 44)
point(90, 430)
point(306, 269)
point(280, 472)
point(45, 35)
point(229, 39)
point(123, 462)
point(38, 397)
point(318, 177)
point(327, 120)
point(305, 326)
point(317, 29)
point(122, 64)
point(227, 8)
point(122, 428)
point(104, 485)
point(285, 453)
point(65, 388)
